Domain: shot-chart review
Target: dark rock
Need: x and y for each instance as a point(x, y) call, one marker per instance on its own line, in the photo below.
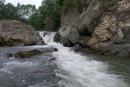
point(76, 48)
point(57, 37)
point(25, 54)
point(90, 17)
point(51, 49)
point(118, 50)
point(86, 50)
point(40, 40)
point(55, 49)
point(31, 53)
point(53, 59)
point(69, 35)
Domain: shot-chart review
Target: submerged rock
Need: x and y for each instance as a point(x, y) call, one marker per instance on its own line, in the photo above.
point(30, 53)
point(25, 54)
point(14, 33)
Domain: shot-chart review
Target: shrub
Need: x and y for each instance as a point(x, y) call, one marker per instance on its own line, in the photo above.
point(70, 4)
point(108, 4)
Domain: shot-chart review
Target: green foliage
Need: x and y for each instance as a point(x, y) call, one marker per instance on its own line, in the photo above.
point(25, 11)
point(46, 17)
point(70, 4)
point(50, 13)
point(36, 20)
point(108, 4)
point(9, 12)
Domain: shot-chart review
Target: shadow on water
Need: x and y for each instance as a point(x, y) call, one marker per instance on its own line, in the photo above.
point(117, 65)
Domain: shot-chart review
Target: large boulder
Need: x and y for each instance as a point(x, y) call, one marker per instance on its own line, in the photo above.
point(112, 35)
point(13, 33)
point(69, 35)
point(77, 24)
point(105, 30)
point(68, 28)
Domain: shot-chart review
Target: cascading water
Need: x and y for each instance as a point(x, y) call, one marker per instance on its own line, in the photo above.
point(47, 36)
point(81, 71)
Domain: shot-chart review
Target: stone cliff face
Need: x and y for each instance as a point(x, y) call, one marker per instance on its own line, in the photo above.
point(77, 25)
point(103, 31)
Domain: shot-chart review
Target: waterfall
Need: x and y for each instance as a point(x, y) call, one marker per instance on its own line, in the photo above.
point(47, 36)
point(77, 70)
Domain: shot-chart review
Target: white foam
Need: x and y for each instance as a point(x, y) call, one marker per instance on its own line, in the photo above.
point(81, 71)
point(16, 64)
point(37, 85)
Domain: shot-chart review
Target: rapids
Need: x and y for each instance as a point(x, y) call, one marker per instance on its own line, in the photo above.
point(62, 68)
point(81, 71)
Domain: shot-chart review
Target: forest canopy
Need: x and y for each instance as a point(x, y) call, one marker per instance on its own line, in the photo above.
point(46, 17)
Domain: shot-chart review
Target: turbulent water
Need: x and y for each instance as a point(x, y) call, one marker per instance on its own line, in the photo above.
point(69, 69)
point(82, 71)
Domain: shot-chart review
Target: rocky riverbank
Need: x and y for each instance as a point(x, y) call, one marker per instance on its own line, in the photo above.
point(14, 33)
point(103, 30)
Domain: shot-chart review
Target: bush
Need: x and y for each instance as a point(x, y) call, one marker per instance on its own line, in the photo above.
point(108, 4)
point(70, 4)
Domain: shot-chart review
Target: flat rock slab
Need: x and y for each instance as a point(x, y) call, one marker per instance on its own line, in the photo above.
point(31, 53)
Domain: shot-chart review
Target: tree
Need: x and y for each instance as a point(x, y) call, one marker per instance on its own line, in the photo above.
point(9, 12)
point(25, 11)
point(1, 7)
point(36, 20)
point(47, 17)
point(50, 11)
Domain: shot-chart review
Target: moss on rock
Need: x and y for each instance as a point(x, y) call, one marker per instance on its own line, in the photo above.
point(26, 54)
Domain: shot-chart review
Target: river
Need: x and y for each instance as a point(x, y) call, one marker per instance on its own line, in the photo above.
point(70, 69)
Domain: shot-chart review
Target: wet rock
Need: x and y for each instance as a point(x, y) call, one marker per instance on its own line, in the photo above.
point(51, 49)
point(118, 50)
point(76, 48)
point(53, 59)
point(69, 35)
point(30, 53)
point(57, 37)
point(25, 54)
